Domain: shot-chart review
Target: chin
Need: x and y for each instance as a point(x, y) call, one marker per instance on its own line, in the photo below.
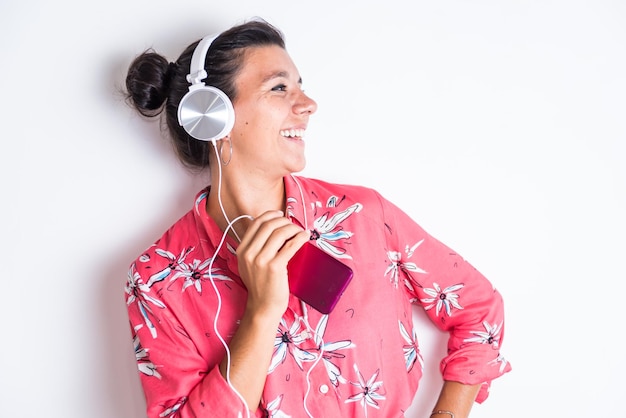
point(299, 167)
point(296, 164)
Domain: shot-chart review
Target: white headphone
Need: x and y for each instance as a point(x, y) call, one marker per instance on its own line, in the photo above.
point(205, 112)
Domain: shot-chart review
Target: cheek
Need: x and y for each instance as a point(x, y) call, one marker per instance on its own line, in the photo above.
point(260, 118)
point(269, 111)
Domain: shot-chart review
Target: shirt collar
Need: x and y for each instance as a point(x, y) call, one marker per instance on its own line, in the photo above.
point(208, 228)
point(297, 208)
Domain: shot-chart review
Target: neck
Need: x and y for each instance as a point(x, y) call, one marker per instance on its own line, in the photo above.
point(243, 194)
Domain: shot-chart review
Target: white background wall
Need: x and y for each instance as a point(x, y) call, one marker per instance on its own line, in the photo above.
point(499, 125)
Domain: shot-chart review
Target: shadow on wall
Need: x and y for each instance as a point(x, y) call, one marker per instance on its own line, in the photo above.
point(121, 378)
point(119, 381)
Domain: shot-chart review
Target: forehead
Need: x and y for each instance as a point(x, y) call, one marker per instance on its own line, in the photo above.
point(262, 64)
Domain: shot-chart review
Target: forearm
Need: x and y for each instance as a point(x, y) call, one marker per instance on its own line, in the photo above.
point(251, 351)
point(457, 398)
point(267, 246)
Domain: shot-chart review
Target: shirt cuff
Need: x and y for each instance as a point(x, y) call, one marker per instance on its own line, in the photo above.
point(475, 364)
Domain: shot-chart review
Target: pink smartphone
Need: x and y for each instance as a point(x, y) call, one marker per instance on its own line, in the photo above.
point(317, 278)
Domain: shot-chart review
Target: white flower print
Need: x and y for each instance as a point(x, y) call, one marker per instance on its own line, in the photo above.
point(290, 202)
point(327, 230)
point(330, 351)
point(442, 298)
point(174, 263)
point(411, 354)
point(397, 263)
point(172, 410)
point(137, 292)
point(491, 335)
point(273, 409)
point(287, 340)
point(144, 258)
point(500, 359)
point(199, 200)
point(231, 249)
point(368, 396)
point(144, 364)
point(196, 272)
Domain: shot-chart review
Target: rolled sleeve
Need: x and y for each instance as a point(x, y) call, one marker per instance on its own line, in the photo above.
point(474, 345)
point(456, 297)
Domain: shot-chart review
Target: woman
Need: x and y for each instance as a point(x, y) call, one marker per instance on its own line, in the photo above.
point(217, 331)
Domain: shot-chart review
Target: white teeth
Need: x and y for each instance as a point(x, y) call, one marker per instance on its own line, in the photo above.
point(292, 133)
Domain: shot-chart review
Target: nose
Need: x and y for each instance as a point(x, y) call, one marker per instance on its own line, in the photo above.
point(305, 105)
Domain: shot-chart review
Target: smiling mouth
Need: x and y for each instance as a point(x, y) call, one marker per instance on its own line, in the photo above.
point(292, 133)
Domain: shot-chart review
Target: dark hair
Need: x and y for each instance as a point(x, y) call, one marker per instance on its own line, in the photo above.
point(154, 85)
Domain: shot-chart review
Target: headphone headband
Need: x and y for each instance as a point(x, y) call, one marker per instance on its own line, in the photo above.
point(197, 73)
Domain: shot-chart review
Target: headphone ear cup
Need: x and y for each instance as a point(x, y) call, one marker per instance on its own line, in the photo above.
point(206, 113)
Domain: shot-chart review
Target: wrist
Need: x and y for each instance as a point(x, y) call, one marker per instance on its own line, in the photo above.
point(262, 317)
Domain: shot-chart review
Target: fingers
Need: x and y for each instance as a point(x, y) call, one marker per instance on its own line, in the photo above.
point(267, 246)
point(257, 223)
point(271, 235)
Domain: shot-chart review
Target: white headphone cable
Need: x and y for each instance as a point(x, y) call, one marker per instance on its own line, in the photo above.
point(217, 292)
point(219, 308)
point(319, 340)
point(219, 186)
point(219, 297)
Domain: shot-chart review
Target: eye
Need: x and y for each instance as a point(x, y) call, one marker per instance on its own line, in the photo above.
point(280, 87)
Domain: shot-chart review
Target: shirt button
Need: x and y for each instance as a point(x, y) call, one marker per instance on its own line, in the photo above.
point(323, 389)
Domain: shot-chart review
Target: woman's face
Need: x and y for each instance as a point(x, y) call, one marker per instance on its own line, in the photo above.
point(271, 114)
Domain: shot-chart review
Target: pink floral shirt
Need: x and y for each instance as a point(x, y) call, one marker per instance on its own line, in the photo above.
point(370, 361)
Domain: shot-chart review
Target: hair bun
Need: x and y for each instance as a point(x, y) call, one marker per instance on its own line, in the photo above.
point(147, 82)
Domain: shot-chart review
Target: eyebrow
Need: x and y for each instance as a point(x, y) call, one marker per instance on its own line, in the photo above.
point(279, 74)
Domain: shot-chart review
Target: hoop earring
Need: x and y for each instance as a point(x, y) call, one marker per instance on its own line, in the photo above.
point(230, 156)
